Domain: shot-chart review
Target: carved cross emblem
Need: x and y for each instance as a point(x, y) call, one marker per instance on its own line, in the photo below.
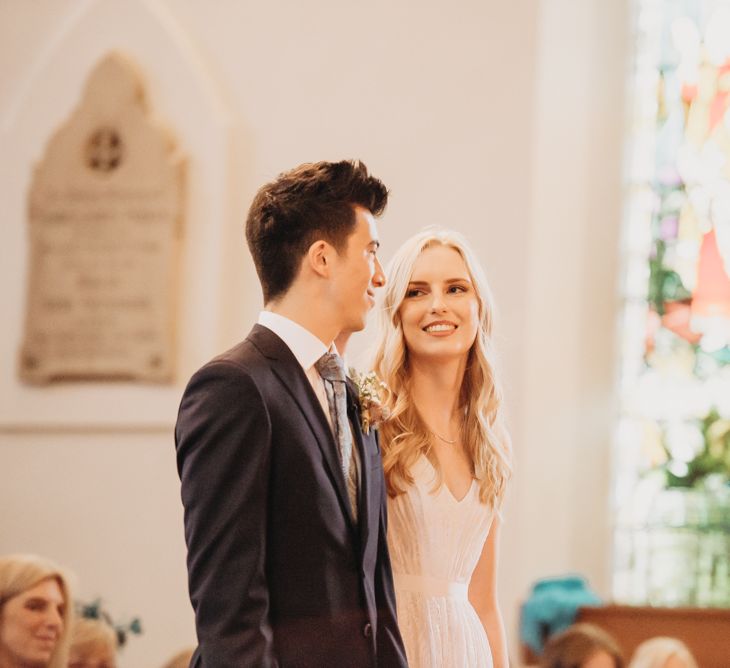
point(104, 150)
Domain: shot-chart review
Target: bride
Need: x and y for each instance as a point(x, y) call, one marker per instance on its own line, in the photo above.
point(446, 454)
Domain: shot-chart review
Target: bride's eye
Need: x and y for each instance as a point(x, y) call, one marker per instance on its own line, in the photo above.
point(414, 292)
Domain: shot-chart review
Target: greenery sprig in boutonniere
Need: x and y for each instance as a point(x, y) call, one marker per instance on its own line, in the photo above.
point(371, 394)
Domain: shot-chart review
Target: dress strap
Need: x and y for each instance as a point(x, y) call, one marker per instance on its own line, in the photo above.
point(431, 587)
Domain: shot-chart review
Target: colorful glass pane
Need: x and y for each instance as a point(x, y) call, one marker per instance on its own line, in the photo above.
point(672, 499)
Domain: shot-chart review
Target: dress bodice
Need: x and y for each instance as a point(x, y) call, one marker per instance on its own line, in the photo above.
point(435, 542)
point(434, 534)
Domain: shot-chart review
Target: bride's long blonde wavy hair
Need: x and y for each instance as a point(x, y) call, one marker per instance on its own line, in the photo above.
point(404, 436)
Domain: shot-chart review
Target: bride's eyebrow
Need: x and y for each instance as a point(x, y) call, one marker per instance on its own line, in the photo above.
point(448, 280)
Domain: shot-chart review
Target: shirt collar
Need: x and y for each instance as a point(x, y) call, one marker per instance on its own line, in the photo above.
point(305, 346)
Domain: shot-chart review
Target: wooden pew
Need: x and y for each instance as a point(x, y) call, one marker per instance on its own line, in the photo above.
point(706, 631)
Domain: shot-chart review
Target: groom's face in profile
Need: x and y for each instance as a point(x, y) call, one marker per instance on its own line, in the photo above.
point(357, 273)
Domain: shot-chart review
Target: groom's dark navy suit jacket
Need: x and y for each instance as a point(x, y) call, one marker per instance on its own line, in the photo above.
point(279, 573)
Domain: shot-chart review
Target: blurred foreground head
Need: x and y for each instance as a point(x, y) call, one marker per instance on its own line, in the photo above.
point(93, 645)
point(582, 646)
point(35, 613)
point(663, 653)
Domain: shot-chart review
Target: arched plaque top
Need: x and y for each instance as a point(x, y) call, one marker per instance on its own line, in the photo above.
point(114, 82)
point(110, 131)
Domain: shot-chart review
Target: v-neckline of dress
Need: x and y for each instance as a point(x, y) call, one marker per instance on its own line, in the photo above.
point(445, 486)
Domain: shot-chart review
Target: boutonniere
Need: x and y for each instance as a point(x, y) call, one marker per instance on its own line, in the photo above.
point(371, 393)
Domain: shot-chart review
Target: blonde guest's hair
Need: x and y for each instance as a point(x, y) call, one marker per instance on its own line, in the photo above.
point(21, 572)
point(91, 637)
point(654, 653)
point(404, 436)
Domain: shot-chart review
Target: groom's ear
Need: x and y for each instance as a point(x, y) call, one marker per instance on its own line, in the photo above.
point(319, 258)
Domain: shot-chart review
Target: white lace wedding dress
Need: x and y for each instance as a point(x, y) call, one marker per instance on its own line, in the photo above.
point(435, 542)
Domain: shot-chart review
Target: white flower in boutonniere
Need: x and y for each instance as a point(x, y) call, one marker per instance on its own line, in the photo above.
point(371, 393)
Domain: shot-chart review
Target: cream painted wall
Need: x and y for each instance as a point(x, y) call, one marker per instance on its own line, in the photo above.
point(561, 490)
point(502, 120)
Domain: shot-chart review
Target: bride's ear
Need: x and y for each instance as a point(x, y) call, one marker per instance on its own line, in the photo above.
point(319, 258)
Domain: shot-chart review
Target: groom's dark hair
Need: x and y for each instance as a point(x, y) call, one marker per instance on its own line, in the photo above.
point(313, 201)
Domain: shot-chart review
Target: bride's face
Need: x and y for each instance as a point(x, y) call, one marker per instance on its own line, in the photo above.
point(440, 312)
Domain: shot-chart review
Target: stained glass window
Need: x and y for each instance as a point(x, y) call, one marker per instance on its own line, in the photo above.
point(671, 493)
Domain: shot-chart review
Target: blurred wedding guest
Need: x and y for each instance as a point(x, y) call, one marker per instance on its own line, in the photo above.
point(663, 653)
point(582, 646)
point(93, 644)
point(181, 659)
point(35, 613)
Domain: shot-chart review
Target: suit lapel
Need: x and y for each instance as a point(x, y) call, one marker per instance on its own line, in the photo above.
point(292, 377)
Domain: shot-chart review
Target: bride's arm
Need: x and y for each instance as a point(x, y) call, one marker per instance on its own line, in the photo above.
point(483, 596)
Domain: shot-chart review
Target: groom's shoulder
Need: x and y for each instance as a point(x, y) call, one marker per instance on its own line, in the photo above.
point(243, 355)
point(250, 357)
point(246, 357)
point(241, 370)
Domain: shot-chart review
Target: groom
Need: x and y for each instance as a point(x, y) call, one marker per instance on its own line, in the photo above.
point(284, 495)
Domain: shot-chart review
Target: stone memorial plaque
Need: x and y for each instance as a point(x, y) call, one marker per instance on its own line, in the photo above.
point(105, 226)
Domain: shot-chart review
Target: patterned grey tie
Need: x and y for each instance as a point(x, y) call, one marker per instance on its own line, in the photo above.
point(332, 369)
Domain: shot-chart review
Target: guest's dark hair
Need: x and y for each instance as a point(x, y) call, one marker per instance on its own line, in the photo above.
point(578, 643)
point(313, 201)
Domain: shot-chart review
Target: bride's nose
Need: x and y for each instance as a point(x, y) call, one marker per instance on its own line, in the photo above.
point(437, 302)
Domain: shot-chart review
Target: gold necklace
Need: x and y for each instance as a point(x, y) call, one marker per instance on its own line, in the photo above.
point(445, 440)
